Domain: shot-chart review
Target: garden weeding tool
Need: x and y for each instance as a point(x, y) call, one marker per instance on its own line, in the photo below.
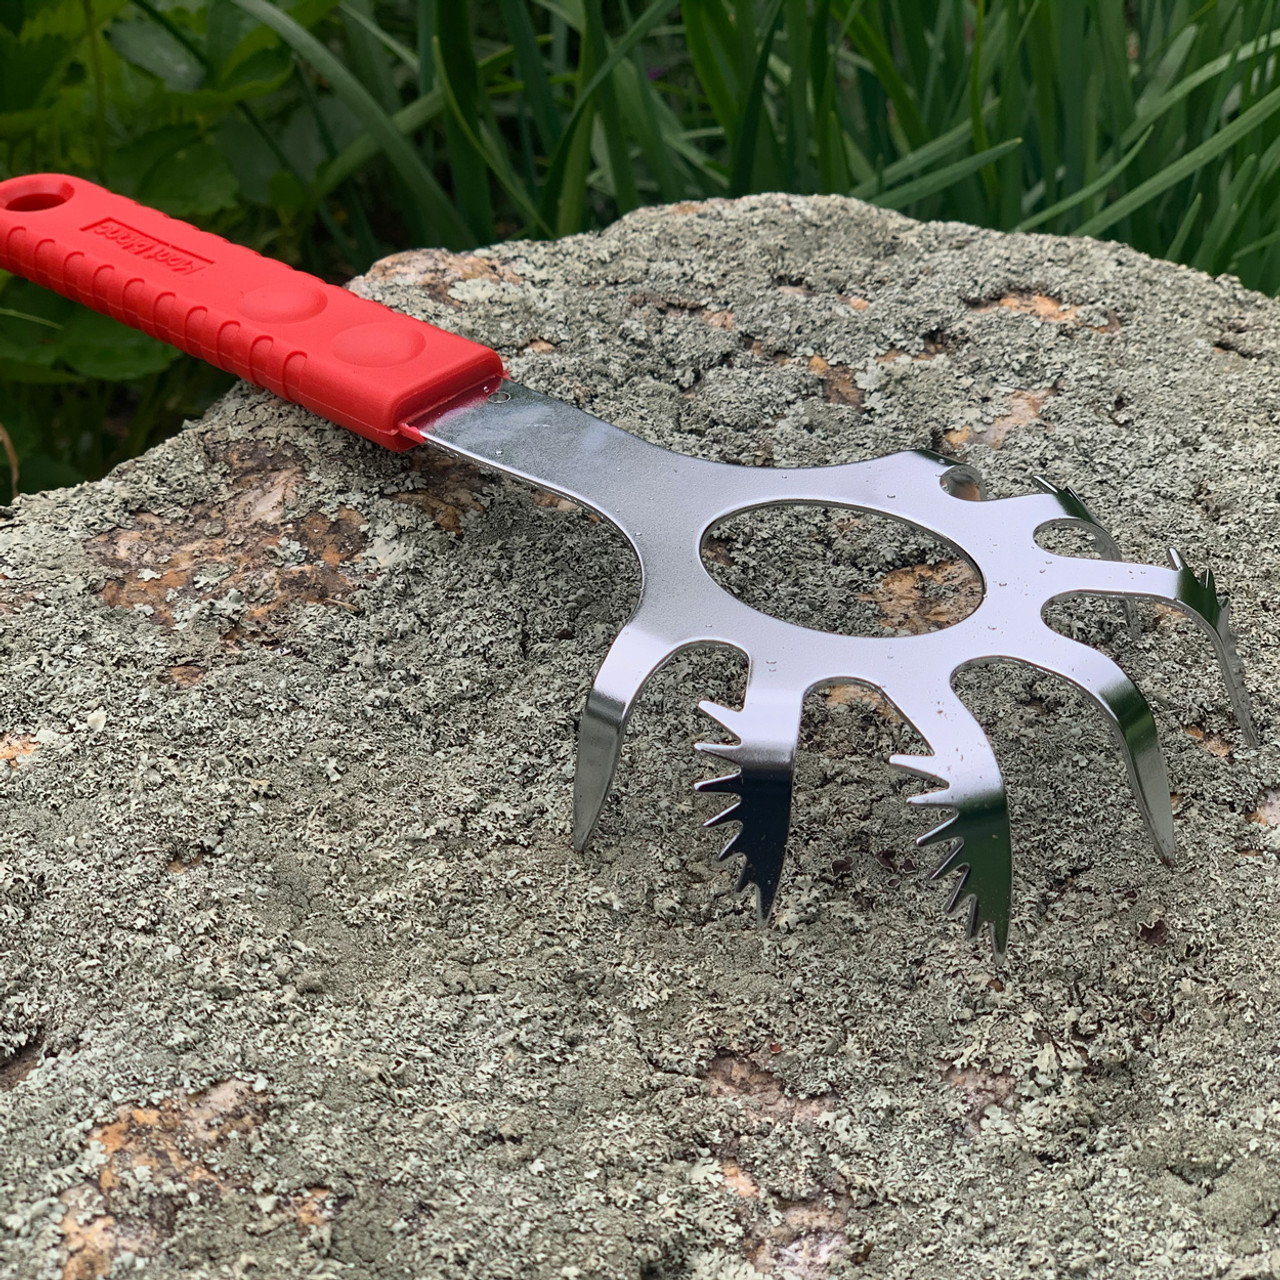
point(401, 382)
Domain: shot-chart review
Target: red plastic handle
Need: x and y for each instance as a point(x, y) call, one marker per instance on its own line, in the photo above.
point(350, 360)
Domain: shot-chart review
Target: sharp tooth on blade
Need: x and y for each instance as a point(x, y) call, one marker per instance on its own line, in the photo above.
point(730, 814)
point(1128, 716)
point(730, 783)
point(943, 831)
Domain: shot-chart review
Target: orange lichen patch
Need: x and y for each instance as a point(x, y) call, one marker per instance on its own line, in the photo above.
point(450, 489)
point(184, 675)
point(733, 1075)
point(15, 749)
point(438, 271)
point(838, 385)
point(667, 305)
point(933, 346)
point(180, 866)
point(556, 501)
point(1267, 811)
point(538, 347)
point(1214, 743)
point(1045, 308)
point(156, 1163)
point(738, 1180)
point(858, 304)
point(861, 695)
point(926, 597)
point(313, 1207)
point(242, 549)
point(1024, 409)
point(981, 1089)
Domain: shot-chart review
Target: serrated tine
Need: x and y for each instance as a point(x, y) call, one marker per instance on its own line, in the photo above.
point(767, 727)
point(1179, 586)
point(963, 763)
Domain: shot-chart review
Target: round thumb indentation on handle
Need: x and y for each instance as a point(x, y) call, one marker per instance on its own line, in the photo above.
point(379, 345)
point(283, 303)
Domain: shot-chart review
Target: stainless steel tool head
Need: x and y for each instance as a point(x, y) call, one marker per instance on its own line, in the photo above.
point(665, 503)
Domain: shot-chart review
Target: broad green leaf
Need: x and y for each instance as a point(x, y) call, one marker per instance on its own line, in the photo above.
point(30, 70)
point(150, 46)
point(99, 347)
point(193, 182)
point(130, 165)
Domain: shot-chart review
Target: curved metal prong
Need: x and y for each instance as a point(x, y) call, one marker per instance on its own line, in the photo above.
point(1196, 596)
point(1129, 718)
point(1076, 514)
point(632, 659)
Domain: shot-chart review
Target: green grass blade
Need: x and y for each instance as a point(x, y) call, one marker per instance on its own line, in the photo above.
point(914, 161)
point(1184, 166)
point(1179, 241)
point(408, 120)
point(482, 148)
point(459, 78)
point(417, 178)
point(941, 179)
point(743, 161)
point(1086, 193)
point(617, 150)
point(563, 194)
point(702, 37)
point(533, 71)
point(365, 20)
point(876, 50)
point(1151, 111)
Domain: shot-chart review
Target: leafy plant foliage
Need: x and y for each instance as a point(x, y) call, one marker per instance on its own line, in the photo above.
point(330, 132)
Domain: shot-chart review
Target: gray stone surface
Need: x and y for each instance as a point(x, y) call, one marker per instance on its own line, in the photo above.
point(300, 977)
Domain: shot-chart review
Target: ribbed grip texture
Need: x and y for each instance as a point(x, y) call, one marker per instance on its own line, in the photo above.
point(353, 361)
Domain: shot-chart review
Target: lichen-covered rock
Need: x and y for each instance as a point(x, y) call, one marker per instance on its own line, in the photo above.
point(299, 975)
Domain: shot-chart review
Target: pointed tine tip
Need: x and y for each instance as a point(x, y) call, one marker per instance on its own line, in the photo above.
point(1045, 483)
point(949, 863)
point(731, 846)
point(726, 815)
point(730, 784)
point(941, 832)
point(939, 798)
point(958, 893)
point(764, 902)
point(1175, 559)
point(917, 765)
point(725, 750)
